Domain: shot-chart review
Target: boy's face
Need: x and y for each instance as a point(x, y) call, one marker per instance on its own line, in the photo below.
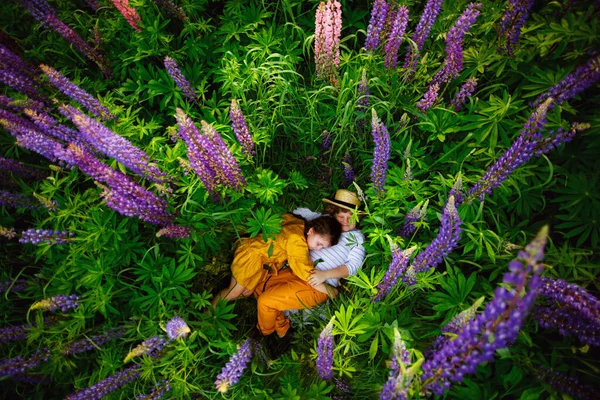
point(316, 241)
point(345, 219)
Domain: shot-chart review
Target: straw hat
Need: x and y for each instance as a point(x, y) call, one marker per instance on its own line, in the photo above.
point(344, 199)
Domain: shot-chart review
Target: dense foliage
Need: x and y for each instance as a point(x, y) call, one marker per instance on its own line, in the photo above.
point(141, 138)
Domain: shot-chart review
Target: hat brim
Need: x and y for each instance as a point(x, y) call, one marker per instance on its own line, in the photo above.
point(345, 206)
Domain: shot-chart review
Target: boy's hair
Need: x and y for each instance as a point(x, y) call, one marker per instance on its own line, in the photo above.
point(326, 226)
point(332, 210)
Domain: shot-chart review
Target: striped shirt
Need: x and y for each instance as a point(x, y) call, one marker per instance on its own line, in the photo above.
point(349, 251)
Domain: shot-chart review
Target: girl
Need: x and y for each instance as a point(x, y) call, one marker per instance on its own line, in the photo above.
point(256, 261)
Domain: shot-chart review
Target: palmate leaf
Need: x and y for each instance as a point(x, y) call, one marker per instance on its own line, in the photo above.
point(456, 289)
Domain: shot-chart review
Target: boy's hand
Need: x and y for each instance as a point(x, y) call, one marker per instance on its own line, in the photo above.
point(316, 278)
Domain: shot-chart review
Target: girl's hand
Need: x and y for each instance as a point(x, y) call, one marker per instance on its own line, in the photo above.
point(316, 278)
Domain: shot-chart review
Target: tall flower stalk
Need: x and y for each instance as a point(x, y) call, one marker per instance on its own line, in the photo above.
point(429, 97)
point(395, 271)
point(496, 328)
point(108, 385)
point(325, 351)
point(235, 367)
point(48, 236)
point(401, 377)
point(465, 91)
point(381, 154)
point(73, 91)
point(238, 123)
point(453, 63)
point(130, 14)
point(328, 28)
point(430, 13)
point(46, 15)
point(399, 20)
point(379, 15)
point(514, 18)
point(180, 80)
point(416, 214)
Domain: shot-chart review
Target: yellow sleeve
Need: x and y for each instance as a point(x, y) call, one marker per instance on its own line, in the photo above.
point(298, 257)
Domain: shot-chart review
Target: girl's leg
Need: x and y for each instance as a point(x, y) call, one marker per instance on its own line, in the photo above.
point(232, 292)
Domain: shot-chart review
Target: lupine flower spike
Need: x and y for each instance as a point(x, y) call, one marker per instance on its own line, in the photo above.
point(453, 63)
point(399, 382)
point(429, 97)
point(416, 214)
point(175, 232)
point(379, 14)
point(150, 347)
point(48, 236)
point(20, 364)
point(7, 233)
point(235, 367)
point(93, 342)
point(177, 328)
point(180, 80)
point(496, 328)
point(172, 10)
point(325, 351)
point(157, 393)
point(567, 384)
point(570, 309)
point(348, 171)
point(130, 14)
point(430, 13)
point(62, 302)
point(108, 385)
point(443, 244)
point(395, 271)
point(466, 90)
point(513, 20)
point(82, 97)
point(399, 20)
point(240, 129)
point(328, 28)
point(381, 154)
point(363, 91)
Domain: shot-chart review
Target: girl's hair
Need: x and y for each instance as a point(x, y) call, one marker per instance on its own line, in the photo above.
point(326, 226)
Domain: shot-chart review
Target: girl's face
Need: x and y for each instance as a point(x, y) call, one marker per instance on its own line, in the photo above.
point(344, 218)
point(317, 241)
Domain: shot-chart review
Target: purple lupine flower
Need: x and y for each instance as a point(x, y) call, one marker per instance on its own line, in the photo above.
point(558, 137)
point(130, 14)
point(453, 63)
point(17, 200)
point(584, 77)
point(521, 151)
point(51, 127)
point(235, 367)
point(399, 20)
point(348, 171)
point(408, 176)
point(328, 28)
point(93, 342)
point(457, 192)
point(76, 93)
point(113, 145)
point(570, 309)
point(379, 15)
point(36, 142)
point(381, 154)
point(513, 19)
point(341, 385)
point(33, 379)
point(177, 328)
point(172, 10)
point(325, 351)
point(230, 173)
point(363, 91)
point(7, 233)
point(396, 270)
point(416, 214)
point(20, 104)
point(14, 333)
point(567, 384)
point(123, 195)
point(62, 302)
point(496, 328)
point(157, 392)
point(466, 90)
point(20, 364)
point(238, 123)
point(22, 170)
point(429, 97)
point(108, 385)
point(180, 80)
point(14, 286)
point(396, 388)
point(93, 4)
point(174, 232)
point(48, 236)
point(430, 13)
point(443, 244)
point(20, 82)
point(46, 15)
point(12, 61)
point(150, 347)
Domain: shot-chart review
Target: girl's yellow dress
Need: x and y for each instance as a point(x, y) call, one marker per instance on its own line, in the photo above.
point(252, 263)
